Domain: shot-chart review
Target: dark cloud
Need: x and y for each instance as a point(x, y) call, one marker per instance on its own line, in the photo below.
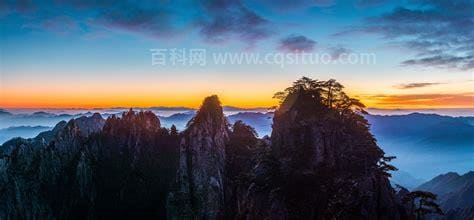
point(369, 3)
point(230, 18)
point(216, 20)
point(153, 21)
point(415, 85)
point(293, 5)
point(296, 43)
point(20, 6)
point(441, 32)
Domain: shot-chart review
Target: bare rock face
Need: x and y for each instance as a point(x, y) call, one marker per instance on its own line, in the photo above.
point(200, 180)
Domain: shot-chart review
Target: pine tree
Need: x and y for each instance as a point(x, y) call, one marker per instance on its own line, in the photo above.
point(423, 203)
point(173, 131)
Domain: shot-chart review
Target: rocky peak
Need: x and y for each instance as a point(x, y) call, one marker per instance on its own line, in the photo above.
point(325, 151)
point(210, 116)
point(131, 121)
point(37, 166)
point(88, 125)
point(201, 166)
point(299, 127)
point(70, 139)
point(66, 136)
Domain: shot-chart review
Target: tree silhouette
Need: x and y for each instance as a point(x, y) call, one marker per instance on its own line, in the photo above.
point(323, 146)
point(426, 203)
point(173, 131)
point(304, 84)
point(332, 90)
point(385, 167)
point(330, 93)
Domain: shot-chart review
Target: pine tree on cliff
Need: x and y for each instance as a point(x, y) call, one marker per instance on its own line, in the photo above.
point(423, 203)
point(328, 162)
point(173, 131)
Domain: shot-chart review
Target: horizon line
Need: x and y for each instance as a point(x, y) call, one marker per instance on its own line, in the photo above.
point(224, 106)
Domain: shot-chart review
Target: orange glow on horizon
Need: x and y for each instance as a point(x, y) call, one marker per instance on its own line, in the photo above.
point(144, 100)
point(191, 93)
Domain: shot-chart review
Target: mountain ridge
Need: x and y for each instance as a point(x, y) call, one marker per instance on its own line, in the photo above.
point(321, 161)
point(455, 192)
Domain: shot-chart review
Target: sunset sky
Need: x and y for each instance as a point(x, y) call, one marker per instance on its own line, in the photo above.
point(58, 54)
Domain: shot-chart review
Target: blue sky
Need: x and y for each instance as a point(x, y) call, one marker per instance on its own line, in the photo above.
point(50, 47)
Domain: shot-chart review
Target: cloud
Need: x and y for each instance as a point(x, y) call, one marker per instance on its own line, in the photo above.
point(441, 32)
point(457, 99)
point(61, 25)
point(337, 51)
point(444, 61)
point(369, 3)
point(56, 24)
point(415, 85)
point(215, 21)
point(296, 43)
point(294, 5)
point(153, 21)
point(22, 6)
point(324, 3)
point(223, 18)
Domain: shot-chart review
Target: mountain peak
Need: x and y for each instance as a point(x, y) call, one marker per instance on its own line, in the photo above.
point(211, 104)
point(88, 125)
point(470, 173)
point(210, 114)
point(317, 132)
point(96, 116)
point(202, 164)
point(451, 174)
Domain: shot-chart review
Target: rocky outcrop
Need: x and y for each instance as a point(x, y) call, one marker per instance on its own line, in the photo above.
point(135, 165)
point(323, 164)
point(90, 168)
point(200, 180)
point(32, 170)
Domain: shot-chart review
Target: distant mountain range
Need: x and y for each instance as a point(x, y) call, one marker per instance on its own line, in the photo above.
point(405, 179)
point(21, 131)
point(455, 112)
point(49, 117)
point(40, 118)
point(433, 132)
point(425, 144)
point(262, 122)
point(455, 193)
point(179, 120)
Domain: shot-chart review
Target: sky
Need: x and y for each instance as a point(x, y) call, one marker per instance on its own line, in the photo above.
point(58, 54)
